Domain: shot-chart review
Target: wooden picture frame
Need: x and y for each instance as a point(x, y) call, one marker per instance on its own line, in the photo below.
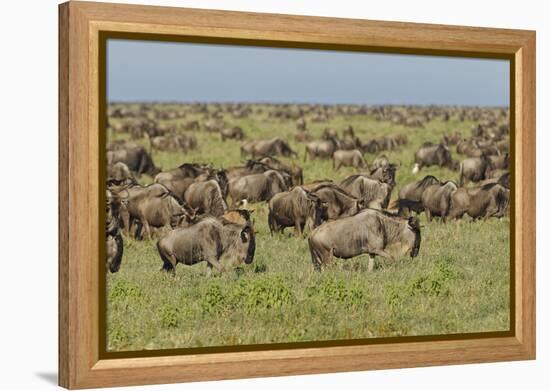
point(80, 165)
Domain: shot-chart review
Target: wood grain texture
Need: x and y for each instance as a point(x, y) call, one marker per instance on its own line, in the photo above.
point(79, 167)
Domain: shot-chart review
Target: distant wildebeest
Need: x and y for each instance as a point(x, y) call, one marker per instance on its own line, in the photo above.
point(295, 208)
point(373, 193)
point(369, 232)
point(430, 154)
point(410, 195)
point(436, 200)
point(293, 170)
point(256, 187)
point(490, 200)
point(221, 244)
point(323, 149)
point(302, 135)
point(137, 159)
point(119, 174)
point(348, 132)
point(500, 162)
point(272, 147)
point(371, 146)
point(339, 203)
point(177, 180)
point(192, 125)
point(352, 158)
point(152, 206)
point(213, 125)
point(173, 142)
point(234, 132)
point(114, 245)
point(474, 169)
point(206, 197)
point(301, 124)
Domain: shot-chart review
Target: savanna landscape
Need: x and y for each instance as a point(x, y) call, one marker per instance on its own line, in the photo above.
point(458, 282)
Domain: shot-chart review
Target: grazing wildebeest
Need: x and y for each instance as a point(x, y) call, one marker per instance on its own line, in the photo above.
point(293, 170)
point(234, 132)
point(430, 154)
point(152, 206)
point(178, 179)
point(302, 135)
point(410, 195)
point(436, 200)
point(339, 203)
point(371, 146)
point(173, 142)
point(272, 147)
point(114, 245)
point(369, 232)
point(321, 148)
point(256, 187)
point(373, 193)
point(206, 197)
point(348, 158)
point(385, 174)
point(490, 200)
point(221, 244)
point(119, 174)
point(295, 208)
point(474, 169)
point(137, 159)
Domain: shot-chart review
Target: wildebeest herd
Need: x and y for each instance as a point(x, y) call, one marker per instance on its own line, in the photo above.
point(201, 212)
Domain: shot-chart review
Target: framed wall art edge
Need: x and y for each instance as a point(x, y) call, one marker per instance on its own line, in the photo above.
point(80, 164)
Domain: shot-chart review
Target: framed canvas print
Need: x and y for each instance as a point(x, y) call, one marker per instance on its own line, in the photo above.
point(247, 195)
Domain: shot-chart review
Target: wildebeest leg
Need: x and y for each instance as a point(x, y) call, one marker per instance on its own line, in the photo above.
point(428, 215)
point(214, 262)
point(384, 254)
point(169, 261)
point(137, 233)
point(208, 269)
point(371, 262)
point(297, 228)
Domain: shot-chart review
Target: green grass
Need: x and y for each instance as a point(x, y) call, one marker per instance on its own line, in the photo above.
point(459, 283)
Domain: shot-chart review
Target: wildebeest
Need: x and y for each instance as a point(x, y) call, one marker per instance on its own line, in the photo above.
point(380, 161)
point(410, 195)
point(119, 174)
point(256, 187)
point(373, 193)
point(114, 245)
point(430, 154)
point(206, 197)
point(173, 142)
point(179, 179)
point(491, 200)
point(369, 232)
point(348, 158)
point(221, 244)
point(234, 132)
point(385, 174)
point(152, 206)
point(436, 200)
point(474, 169)
point(339, 203)
point(272, 147)
point(295, 208)
point(137, 159)
point(321, 148)
point(293, 170)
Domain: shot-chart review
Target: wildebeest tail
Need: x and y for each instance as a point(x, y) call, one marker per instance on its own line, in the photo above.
point(461, 175)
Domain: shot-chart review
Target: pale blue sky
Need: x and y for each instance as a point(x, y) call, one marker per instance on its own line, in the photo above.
point(160, 71)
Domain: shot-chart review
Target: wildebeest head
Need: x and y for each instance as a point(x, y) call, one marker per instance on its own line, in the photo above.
point(317, 211)
point(414, 225)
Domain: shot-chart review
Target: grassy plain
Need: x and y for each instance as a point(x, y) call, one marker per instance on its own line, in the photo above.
point(459, 283)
